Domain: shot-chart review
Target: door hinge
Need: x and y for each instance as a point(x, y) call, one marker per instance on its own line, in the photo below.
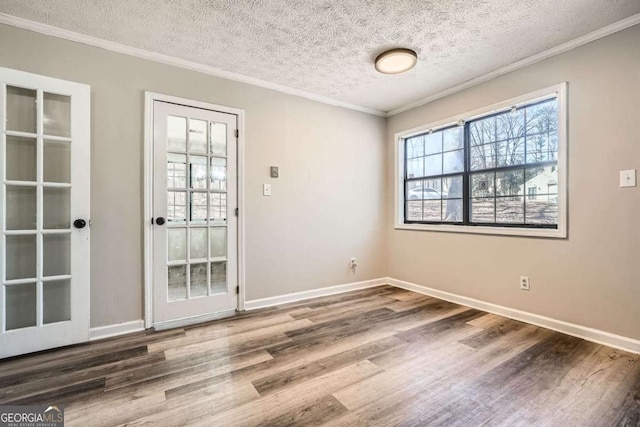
point(237, 211)
point(237, 289)
point(237, 133)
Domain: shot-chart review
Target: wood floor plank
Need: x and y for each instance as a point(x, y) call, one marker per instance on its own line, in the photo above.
point(272, 383)
point(110, 413)
point(74, 363)
point(493, 395)
point(220, 331)
point(249, 340)
point(314, 414)
point(50, 359)
point(424, 381)
point(381, 356)
point(51, 381)
point(181, 372)
point(290, 399)
point(66, 393)
point(188, 410)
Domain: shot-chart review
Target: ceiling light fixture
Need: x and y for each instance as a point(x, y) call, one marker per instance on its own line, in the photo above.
point(396, 61)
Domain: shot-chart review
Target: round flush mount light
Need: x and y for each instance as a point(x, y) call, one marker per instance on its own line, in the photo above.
point(396, 61)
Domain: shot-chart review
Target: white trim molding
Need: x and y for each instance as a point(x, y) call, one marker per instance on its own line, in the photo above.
point(546, 54)
point(60, 33)
point(49, 30)
point(150, 98)
point(108, 331)
point(579, 331)
point(314, 293)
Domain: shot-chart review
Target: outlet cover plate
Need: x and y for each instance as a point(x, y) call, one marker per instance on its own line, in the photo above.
point(628, 178)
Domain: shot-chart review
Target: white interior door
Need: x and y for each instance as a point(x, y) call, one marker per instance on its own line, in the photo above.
point(44, 167)
point(195, 270)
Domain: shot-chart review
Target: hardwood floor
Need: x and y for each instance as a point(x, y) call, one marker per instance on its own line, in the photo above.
point(381, 356)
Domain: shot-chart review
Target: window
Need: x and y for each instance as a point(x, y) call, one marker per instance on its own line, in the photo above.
point(488, 171)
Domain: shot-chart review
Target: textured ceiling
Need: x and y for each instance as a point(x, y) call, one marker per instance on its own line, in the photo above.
point(328, 47)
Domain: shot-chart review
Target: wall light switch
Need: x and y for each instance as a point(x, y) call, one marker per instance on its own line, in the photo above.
point(266, 189)
point(628, 178)
point(274, 172)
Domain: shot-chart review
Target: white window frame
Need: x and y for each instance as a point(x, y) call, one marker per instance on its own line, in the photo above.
point(560, 91)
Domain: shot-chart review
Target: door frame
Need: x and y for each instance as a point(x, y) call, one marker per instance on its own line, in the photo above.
point(149, 99)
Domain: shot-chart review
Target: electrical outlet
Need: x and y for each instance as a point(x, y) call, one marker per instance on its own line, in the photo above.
point(266, 189)
point(524, 283)
point(353, 263)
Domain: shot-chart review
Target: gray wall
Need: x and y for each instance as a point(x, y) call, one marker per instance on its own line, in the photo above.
point(593, 277)
point(327, 205)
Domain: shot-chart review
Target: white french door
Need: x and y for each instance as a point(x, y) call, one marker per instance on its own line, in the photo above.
point(195, 270)
point(44, 215)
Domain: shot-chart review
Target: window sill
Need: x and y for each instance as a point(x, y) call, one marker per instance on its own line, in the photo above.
point(498, 231)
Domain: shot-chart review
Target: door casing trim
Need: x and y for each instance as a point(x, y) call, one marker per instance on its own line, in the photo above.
point(149, 99)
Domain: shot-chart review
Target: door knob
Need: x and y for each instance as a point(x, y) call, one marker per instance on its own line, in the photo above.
point(160, 220)
point(79, 223)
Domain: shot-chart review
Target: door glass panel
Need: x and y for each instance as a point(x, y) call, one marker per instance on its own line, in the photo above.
point(57, 254)
point(56, 301)
point(177, 242)
point(218, 173)
point(176, 206)
point(57, 161)
point(21, 257)
point(218, 277)
point(198, 243)
point(198, 280)
point(20, 306)
point(176, 170)
point(201, 207)
point(21, 208)
point(56, 212)
point(197, 136)
point(21, 159)
point(198, 172)
point(177, 282)
point(218, 139)
point(57, 115)
point(218, 207)
point(198, 207)
point(218, 242)
point(176, 133)
point(21, 109)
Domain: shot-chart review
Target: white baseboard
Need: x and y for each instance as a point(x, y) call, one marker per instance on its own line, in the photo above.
point(589, 334)
point(118, 329)
point(314, 293)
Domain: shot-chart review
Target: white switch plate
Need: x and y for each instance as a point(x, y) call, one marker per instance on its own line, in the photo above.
point(628, 178)
point(266, 189)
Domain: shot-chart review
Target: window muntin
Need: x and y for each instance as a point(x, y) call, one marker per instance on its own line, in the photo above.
point(497, 170)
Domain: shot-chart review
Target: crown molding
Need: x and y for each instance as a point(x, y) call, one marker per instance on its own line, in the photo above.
point(564, 47)
point(49, 30)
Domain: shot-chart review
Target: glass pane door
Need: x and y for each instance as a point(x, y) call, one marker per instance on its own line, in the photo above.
point(44, 167)
point(196, 208)
point(194, 235)
point(37, 224)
